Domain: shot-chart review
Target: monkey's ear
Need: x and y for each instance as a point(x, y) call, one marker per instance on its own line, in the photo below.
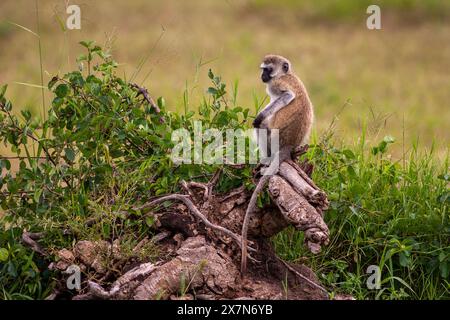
point(285, 67)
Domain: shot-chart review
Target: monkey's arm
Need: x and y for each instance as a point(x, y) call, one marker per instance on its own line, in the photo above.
point(282, 101)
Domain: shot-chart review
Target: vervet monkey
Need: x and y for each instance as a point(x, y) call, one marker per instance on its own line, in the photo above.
point(290, 111)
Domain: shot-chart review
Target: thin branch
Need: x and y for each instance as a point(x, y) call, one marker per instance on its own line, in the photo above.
point(207, 187)
point(144, 92)
point(20, 158)
point(30, 239)
point(290, 268)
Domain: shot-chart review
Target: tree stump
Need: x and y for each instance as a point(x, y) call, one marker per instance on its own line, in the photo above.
point(199, 239)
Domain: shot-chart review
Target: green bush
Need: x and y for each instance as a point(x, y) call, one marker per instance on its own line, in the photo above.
point(101, 151)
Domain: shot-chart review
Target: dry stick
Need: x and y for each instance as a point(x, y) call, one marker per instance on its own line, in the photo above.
point(20, 158)
point(302, 276)
point(185, 199)
point(29, 238)
point(251, 205)
point(207, 187)
point(212, 183)
point(233, 193)
point(187, 186)
point(160, 236)
point(144, 92)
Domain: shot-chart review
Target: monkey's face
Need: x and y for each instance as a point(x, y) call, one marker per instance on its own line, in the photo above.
point(273, 67)
point(266, 74)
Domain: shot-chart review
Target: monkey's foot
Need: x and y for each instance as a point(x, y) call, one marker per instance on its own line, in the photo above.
point(298, 151)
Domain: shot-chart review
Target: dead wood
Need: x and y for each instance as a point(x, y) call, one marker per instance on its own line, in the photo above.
point(30, 239)
point(199, 236)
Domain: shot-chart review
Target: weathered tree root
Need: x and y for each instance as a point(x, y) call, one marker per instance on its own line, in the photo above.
point(200, 245)
point(30, 239)
point(300, 213)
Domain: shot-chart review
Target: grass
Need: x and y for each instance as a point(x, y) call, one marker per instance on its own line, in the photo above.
point(392, 214)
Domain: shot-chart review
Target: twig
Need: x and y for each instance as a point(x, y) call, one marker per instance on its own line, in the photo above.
point(187, 186)
point(290, 268)
point(233, 193)
point(235, 165)
point(160, 236)
point(144, 92)
point(20, 157)
point(29, 239)
point(207, 187)
point(215, 178)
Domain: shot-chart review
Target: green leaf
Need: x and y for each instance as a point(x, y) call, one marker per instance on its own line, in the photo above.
point(212, 91)
point(348, 154)
point(404, 260)
point(3, 90)
point(8, 106)
point(37, 195)
point(4, 254)
point(87, 44)
point(443, 267)
point(149, 221)
point(52, 82)
point(70, 154)
point(210, 74)
point(161, 102)
point(7, 164)
point(26, 114)
point(61, 90)
point(351, 171)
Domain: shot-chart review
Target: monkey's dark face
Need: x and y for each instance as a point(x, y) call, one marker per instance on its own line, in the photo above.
point(266, 74)
point(274, 67)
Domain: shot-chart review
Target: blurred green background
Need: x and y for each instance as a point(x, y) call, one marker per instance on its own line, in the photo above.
point(391, 81)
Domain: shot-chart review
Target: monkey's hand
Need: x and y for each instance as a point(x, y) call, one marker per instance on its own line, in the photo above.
point(282, 101)
point(258, 120)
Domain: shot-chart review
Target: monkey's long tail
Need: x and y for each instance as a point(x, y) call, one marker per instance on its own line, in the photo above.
point(251, 206)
